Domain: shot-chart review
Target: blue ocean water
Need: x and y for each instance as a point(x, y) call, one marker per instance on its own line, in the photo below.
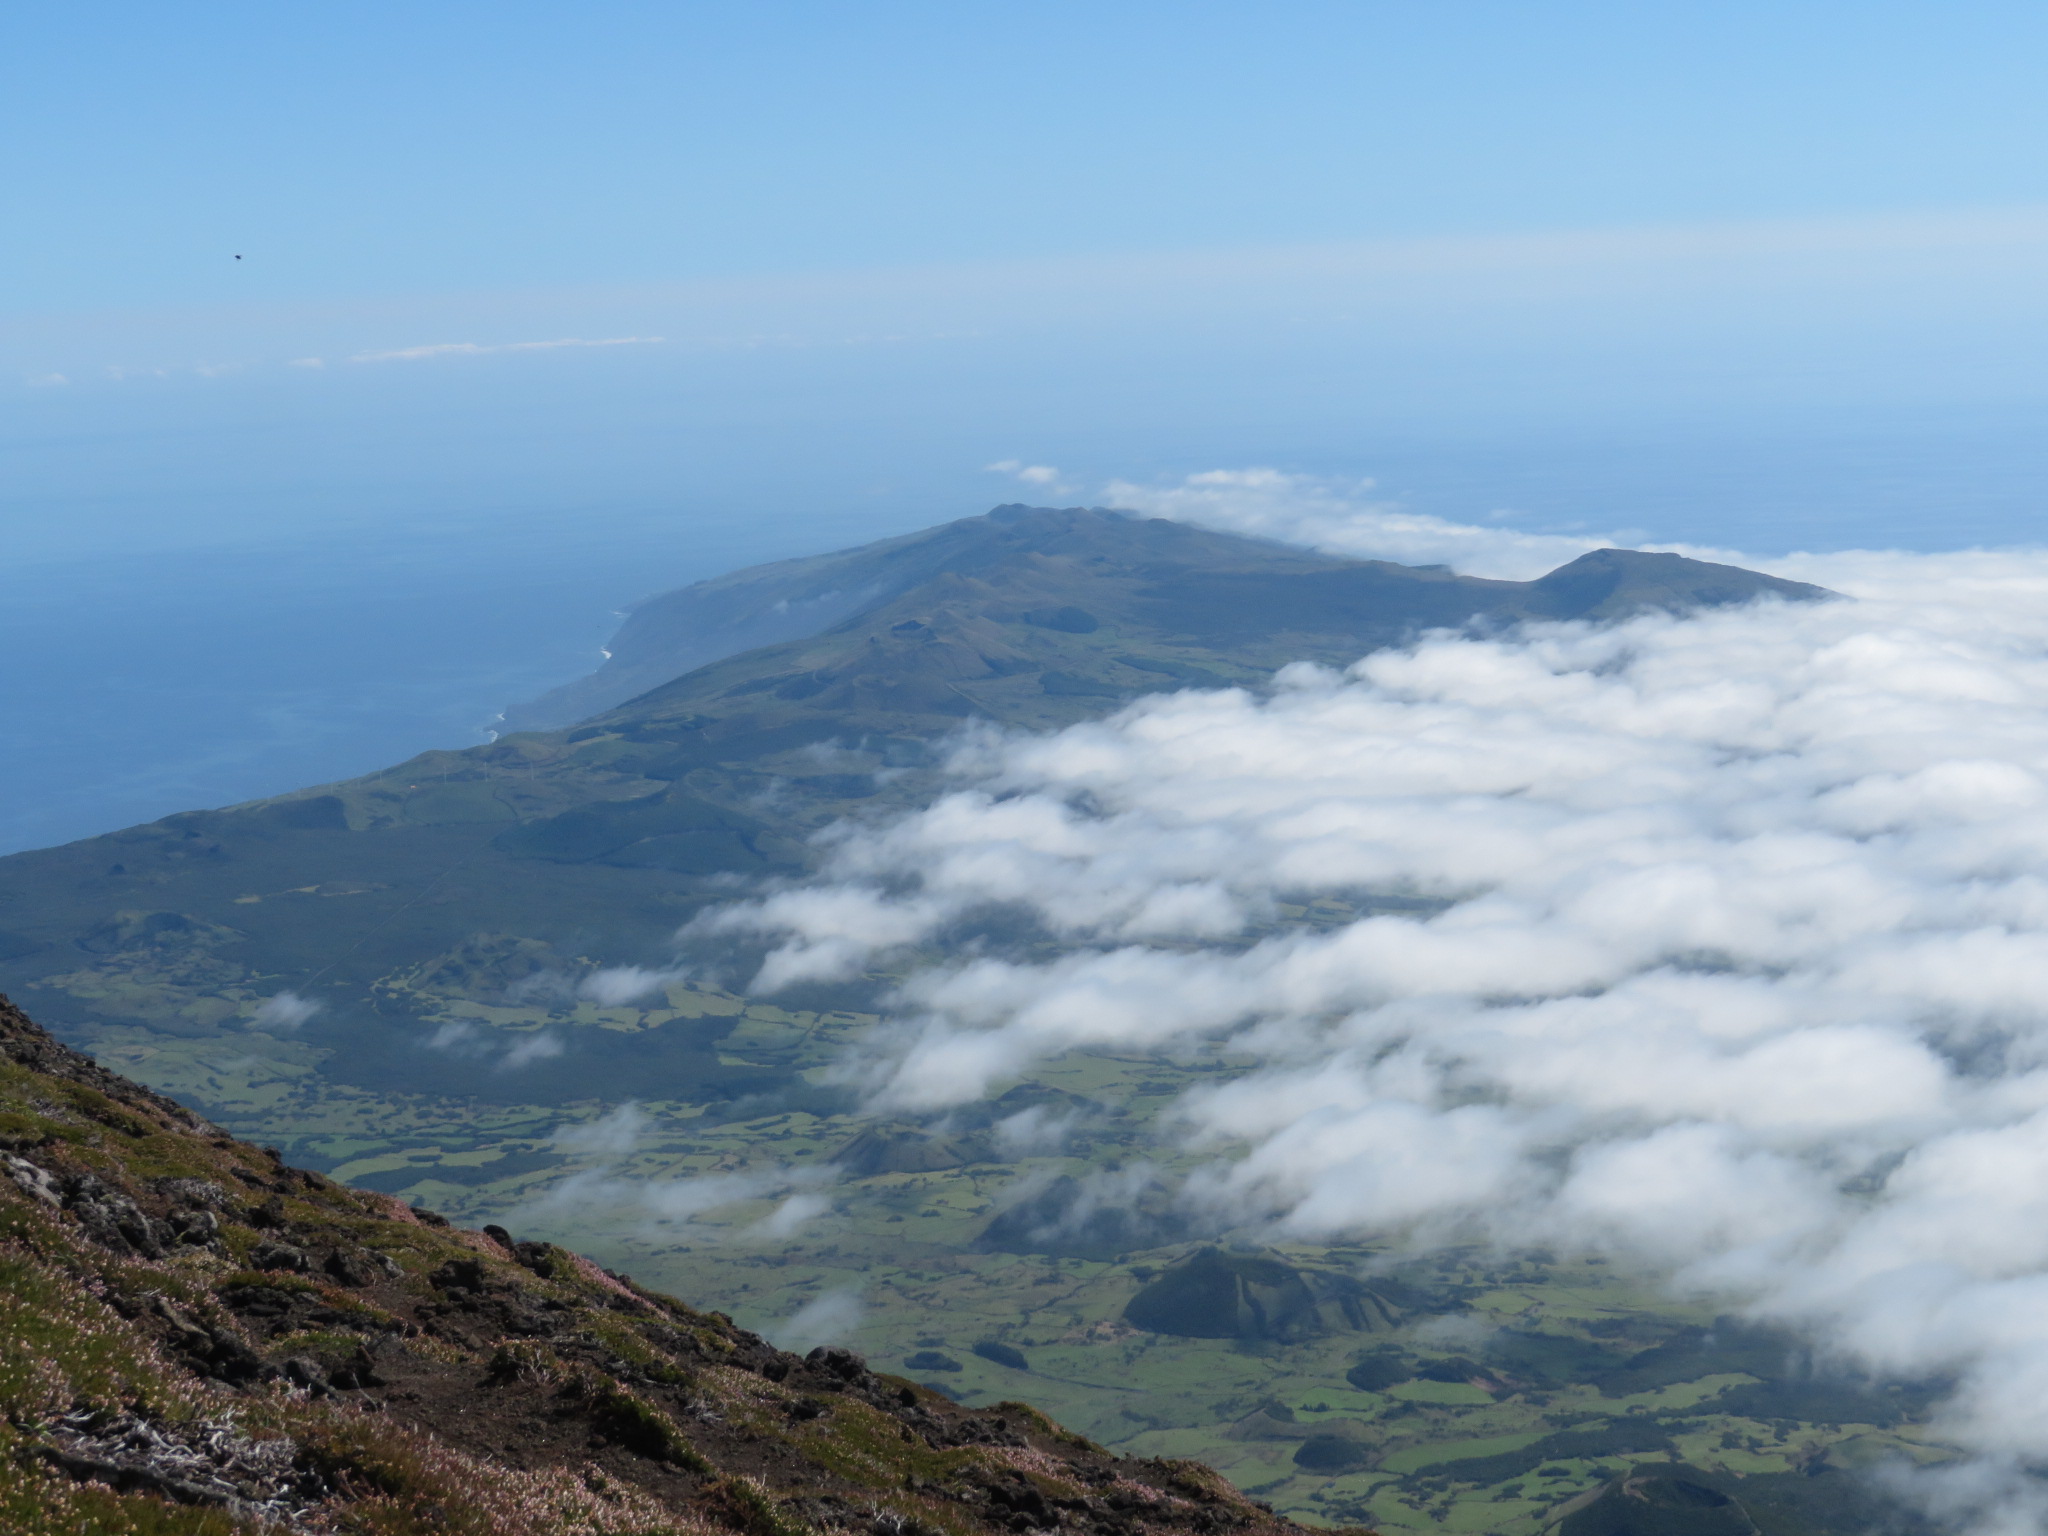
point(138, 682)
point(141, 684)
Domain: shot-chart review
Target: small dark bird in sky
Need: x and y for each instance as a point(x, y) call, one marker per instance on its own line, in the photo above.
point(238, 258)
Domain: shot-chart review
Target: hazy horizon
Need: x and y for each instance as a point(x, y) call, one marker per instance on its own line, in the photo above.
point(357, 368)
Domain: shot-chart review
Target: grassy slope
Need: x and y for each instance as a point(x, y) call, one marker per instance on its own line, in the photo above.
point(193, 1335)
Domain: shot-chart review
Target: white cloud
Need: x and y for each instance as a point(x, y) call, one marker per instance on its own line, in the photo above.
point(477, 349)
point(284, 1010)
point(1344, 519)
point(614, 1135)
point(652, 1202)
point(825, 1319)
point(457, 1036)
point(1041, 476)
point(795, 1212)
point(47, 380)
point(843, 929)
point(507, 1050)
point(1033, 1132)
point(1726, 919)
point(623, 985)
point(536, 1045)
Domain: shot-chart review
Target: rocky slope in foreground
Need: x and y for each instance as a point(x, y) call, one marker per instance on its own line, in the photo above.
point(196, 1338)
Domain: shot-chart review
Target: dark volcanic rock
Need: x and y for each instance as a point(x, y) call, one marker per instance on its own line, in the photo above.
point(900, 1149)
point(280, 1256)
point(1674, 1502)
point(1214, 1294)
point(1330, 1454)
point(1381, 1369)
point(1002, 1354)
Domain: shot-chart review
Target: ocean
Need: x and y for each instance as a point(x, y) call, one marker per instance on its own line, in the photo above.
point(175, 656)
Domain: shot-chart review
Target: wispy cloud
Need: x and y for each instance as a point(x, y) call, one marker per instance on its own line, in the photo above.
point(623, 985)
point(615, 1135)
point(787, 1218)
point(540, 1046)
point(1030, 474)
point(284, 1010)
point(507, 1049)
point(477, 348)
point(683, 1201)
point(1038, 477)
point(1345, 518)
point(824, 1319)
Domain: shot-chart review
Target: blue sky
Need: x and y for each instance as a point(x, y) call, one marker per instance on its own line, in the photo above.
point(597, 300)
point(374, 149)
point(920, 236)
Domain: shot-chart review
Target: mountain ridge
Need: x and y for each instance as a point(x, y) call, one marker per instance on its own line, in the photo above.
point(674, 633)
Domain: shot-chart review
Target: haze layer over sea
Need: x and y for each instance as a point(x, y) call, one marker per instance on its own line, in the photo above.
point(163, 657)
point(254, 546)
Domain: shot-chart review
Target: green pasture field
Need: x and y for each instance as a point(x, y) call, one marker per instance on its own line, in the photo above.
point(1551, 1409)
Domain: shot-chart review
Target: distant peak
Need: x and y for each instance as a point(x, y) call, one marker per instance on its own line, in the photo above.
point(1610, 583)
point(1018, 512)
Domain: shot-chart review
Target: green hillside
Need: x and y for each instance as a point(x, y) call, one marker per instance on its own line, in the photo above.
point(459, 875)
point(434, 921)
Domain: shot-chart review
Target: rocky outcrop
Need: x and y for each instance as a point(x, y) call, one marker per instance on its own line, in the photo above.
point(1216, 1293)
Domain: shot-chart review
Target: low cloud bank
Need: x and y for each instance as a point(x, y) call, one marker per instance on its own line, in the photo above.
point(506, 1050)
point(826, 1319)
point(479, 349)
point(653, 1201)
point(1721, 942)
point(1344, 518)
